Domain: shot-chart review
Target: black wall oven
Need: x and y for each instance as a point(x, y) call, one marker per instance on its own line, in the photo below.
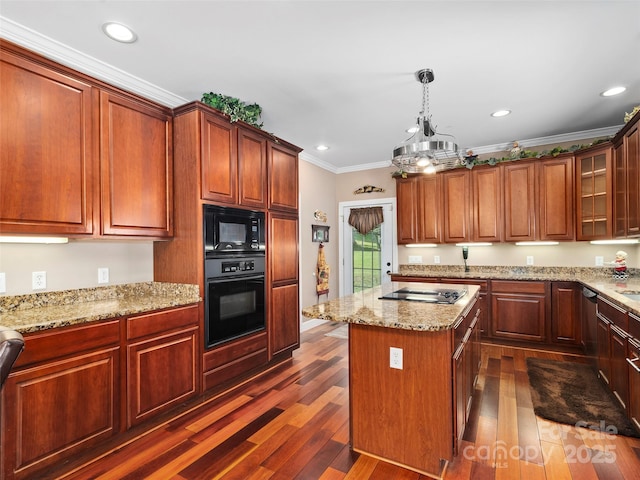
point(234, 298)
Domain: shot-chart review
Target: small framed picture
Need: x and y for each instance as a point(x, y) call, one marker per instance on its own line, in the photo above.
point(319, 233)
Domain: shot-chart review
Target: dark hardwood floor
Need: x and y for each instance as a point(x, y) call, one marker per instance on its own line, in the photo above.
point(293, 423)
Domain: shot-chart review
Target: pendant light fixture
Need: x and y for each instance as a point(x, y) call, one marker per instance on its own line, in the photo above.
point(425, 151)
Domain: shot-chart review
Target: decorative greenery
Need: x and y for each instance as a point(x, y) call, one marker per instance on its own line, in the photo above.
point(629, 115)
point(471, 161)
point(236, 109)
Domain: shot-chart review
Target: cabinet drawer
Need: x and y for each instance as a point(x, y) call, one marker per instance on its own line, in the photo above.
point(160, 322)
point(612, 312)
point(234, 350)
point(508, 286)
point(60, 342)
point(634, 326)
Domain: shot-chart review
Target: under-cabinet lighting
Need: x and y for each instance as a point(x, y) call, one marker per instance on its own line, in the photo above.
point(422, 245)
point(472, 244)
point(535, 244)
point(4, 239)
point(619, 241)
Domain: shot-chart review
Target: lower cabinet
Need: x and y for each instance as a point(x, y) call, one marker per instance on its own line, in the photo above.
point(612, 349)
point(566, 325)
point(62, 397)
point(285, 320)
point(161, 362)
point(603, 349)
point(519, 310)
point(70, 386)
point(633, 367)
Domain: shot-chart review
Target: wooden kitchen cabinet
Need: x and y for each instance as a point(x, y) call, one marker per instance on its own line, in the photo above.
point(283, 176)
point(487, 204)
point(218, 152)
point(603, 349)
point(615, 370)
point(556, 198)
point(62, 397)
point(252, 169)
point(136, 167)
point(566, 324)
point(456, 202)
point(47, 161)
point(418, 206)
point(519, 310)
point(282, 253)
point(594, 193)
point(626, 186)
point(633, 367)
point(162, 361)
point(519, 201)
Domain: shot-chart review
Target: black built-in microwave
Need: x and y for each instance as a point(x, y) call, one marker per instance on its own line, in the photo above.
point(233, 231)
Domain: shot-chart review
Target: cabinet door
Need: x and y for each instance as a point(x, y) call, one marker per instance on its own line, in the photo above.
point(619, 192)
point(283, 248)
point(284, 324)
point(136, 163)
point(519, 310)
point(634, 382)
point(487, 204)
point(603, 348)
point(407, 202)
point(283, 178)
point(252, 169)
point(556, 214)
point(632, 158)
point(519, 202)
point(459, 394)
point(429, 209)
point(47, 162)
point(565, 313)
point(594, 187)
point(57, 408)
point(219, 159)
point(619, 372)
point(456, 190)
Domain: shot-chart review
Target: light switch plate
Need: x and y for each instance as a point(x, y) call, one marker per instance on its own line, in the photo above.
point(415, 258)
point(103, 275)
point(599, 261)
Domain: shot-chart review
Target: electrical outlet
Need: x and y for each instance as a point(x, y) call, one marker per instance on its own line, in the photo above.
point(38, 280)
point(103, 275)
point(529, 259)
point(415, 258)
point(599, 261)
point(395, 358)
point(436, 259)
point(3, 282)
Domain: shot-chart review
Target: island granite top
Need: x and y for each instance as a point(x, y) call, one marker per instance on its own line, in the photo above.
point(366, 308)
point(42, 311)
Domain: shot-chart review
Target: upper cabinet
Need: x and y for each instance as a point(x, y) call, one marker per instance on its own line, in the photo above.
point(47, 154)
point(487, 205)
point(419, 200)
point(539, 199)
point(283, 166)
point(594, 182)
point(218, 154)
point(80, 157)
point(456, 195)
point(136, 167)
point(626, 180)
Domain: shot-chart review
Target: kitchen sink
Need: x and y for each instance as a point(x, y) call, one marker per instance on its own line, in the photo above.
point(630, 294)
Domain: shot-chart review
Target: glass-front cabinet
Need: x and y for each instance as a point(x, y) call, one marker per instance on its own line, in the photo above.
point(594, 192)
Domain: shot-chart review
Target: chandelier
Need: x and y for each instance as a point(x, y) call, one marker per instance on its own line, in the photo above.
point(426, 151)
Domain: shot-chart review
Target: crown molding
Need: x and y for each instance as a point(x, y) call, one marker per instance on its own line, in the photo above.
point(87, 64)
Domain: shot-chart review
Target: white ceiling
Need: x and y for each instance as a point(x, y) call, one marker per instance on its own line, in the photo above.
point(342, 72)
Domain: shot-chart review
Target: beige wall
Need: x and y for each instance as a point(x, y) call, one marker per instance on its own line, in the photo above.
point(75, 264)
point(317, 192)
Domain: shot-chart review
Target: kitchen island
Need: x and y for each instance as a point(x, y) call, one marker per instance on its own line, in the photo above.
point(412, 366)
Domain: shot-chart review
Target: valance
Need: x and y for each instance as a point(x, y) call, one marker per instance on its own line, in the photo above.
point(365, 219)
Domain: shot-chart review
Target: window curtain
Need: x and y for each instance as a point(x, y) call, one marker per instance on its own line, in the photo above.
point(365, 219)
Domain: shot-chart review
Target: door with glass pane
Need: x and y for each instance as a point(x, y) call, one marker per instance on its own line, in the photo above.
point(367, 258)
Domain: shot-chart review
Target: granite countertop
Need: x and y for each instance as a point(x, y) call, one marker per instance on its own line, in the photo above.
point(42, 311)
point(366, 308)
point(598, 279)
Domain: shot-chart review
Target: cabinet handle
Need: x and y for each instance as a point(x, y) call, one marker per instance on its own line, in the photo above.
point(633, 364)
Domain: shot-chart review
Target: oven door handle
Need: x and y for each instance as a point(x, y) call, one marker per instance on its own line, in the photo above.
point(235, 278)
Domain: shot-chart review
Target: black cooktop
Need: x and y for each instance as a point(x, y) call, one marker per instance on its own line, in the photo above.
point(434, 295)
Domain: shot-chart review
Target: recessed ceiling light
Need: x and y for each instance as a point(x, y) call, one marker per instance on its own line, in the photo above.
point(613, 91)
point(501, 113)
point(322, 148)
point(119, 32)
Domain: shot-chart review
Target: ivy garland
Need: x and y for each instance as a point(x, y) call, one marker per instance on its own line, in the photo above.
point(236, 109)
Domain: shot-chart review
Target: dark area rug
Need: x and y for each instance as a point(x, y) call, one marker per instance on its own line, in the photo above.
point(571, 393)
